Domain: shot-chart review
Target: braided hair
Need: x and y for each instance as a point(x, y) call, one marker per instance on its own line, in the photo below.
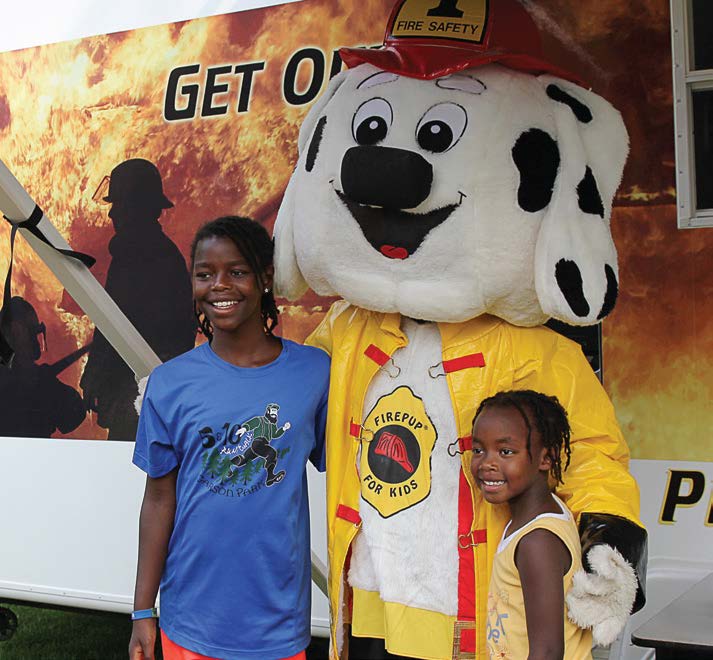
point(256, 246)
point(549, 417)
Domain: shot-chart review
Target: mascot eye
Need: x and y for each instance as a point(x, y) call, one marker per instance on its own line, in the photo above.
point(372, 121)
point(441, 127)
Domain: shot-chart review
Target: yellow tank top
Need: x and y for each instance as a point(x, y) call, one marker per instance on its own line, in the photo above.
point(507, 627)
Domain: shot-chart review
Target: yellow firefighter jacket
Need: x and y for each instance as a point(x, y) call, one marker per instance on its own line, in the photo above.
point(597, 480)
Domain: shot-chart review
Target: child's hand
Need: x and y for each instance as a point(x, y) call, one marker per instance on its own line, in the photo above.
point(603, 599)
point(143, 640)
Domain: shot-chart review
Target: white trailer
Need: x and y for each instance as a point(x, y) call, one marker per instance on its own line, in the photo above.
point(70, 533)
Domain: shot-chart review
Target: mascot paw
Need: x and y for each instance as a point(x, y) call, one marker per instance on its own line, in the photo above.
point(140, 399)
point(603, 599)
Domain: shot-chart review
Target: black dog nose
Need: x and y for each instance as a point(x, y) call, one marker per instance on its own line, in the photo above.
point(384, 176)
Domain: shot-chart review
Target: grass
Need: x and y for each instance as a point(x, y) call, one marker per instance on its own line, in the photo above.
point(46, 634)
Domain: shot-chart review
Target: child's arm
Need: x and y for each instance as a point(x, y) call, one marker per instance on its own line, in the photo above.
point(542, 559)
point(155, 526)
point(598, 488)
point(318, 457)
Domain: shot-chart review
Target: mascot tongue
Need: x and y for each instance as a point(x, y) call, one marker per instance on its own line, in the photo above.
point(393, 252)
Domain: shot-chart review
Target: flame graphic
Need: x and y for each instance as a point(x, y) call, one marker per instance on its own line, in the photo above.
point(70, 112)
point(658, 342)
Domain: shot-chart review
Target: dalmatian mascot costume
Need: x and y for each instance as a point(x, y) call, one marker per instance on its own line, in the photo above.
point(455, 190)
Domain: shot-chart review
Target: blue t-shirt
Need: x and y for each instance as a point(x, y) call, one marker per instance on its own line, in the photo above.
point(236, 584)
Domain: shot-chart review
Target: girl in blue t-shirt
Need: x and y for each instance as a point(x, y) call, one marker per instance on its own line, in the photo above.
point(224, 435)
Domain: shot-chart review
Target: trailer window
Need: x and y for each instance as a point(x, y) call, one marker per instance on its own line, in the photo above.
point(692, 32)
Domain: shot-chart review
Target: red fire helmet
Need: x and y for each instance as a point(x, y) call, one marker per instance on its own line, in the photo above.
point(432, 38)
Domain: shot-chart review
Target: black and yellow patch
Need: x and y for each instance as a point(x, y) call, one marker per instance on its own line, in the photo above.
point(462, 20)
point(395, 465)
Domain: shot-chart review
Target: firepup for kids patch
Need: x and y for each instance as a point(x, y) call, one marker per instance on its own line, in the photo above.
point(395, 464)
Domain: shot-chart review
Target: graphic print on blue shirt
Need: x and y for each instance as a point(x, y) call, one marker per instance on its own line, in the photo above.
point(230, 465)
point(234, 536)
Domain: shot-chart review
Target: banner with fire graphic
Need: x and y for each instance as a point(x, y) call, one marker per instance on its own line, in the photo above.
point(130, 141)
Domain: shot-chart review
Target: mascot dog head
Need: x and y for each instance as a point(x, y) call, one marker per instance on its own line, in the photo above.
point(484, 190)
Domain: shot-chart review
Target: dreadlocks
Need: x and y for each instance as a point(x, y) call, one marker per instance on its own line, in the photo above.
point(256, 246)
point(550, 420)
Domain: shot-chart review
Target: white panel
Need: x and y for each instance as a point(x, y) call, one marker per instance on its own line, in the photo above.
point(70, 521)
point(679, 553)
point(688, 538)
point(69, 526)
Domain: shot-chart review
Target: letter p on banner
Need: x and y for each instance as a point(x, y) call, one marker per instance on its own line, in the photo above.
point(673, 496)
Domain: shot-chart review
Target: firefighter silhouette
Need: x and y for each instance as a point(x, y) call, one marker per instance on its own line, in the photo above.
point(149, 281)
point(34, 402)
point(259, 431)
point(447, 9)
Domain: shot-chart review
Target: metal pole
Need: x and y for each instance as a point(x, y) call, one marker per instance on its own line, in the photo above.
point(17, 206)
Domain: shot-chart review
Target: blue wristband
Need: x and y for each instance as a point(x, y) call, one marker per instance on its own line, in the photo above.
point(151, 613)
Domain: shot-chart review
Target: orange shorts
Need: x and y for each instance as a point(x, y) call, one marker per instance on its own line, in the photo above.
point(172, 651)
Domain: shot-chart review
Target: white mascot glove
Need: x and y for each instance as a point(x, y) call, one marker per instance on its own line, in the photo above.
point(603, 599)
point(140, 399)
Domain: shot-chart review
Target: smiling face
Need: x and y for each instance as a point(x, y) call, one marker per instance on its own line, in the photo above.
point(381, 184)
point(226, 289)
point(404, 194)
point(501, 465)
point(484, 191)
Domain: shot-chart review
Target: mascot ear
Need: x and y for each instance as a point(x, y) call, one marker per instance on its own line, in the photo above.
point(317, 110)
point(289, 281)
point(576, 272)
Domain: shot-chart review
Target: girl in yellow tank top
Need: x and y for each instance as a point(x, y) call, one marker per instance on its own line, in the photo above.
point(519, 440)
